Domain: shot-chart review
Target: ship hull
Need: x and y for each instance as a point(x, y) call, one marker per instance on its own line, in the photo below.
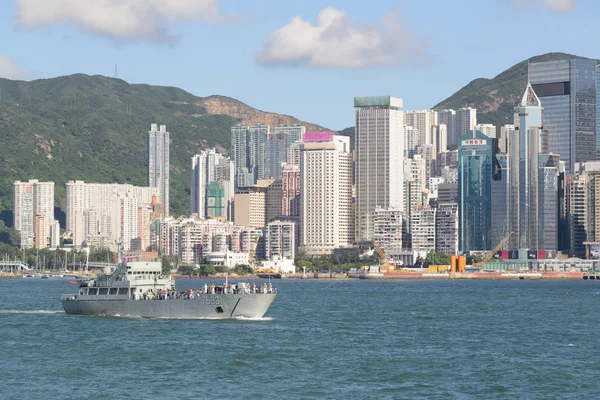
point(218, 306)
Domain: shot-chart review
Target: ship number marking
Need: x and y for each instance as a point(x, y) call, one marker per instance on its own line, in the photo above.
point(211, 300)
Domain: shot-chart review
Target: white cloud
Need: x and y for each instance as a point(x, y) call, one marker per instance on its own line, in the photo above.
point(10, 70)
point(557, 6)
point(560, 5)
point(337, 41)
point(118, 19)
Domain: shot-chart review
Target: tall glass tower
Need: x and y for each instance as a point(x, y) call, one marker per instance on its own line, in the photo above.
point(567, 91)
point(475, 165)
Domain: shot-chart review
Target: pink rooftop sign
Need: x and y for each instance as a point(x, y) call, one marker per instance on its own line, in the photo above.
point(309, 137)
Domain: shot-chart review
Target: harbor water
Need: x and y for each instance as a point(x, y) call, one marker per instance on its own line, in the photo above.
point(320, 339)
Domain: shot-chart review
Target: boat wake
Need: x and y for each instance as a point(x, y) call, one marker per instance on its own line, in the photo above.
point(31, 312)
point(254, 319)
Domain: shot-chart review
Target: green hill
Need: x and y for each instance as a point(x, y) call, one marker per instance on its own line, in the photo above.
point(496, 98)
point(94, 128)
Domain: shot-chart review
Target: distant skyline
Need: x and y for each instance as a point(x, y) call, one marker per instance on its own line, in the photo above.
point(307, 59)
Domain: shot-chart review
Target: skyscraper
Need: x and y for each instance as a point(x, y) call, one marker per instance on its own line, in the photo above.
point(379, 159)
point(206, 167)
point(475, 168)
point(326, 216)
point(248, 146)
point(531, 177)
point(584, 218)
point(158, 163)
point(34, 212)
point(277, 146)
point(258, 135)
point(567, 92)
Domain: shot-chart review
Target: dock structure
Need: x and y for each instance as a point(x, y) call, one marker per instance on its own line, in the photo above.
point(14, 266)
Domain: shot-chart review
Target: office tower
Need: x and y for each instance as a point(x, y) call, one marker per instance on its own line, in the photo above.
point(440, 132)
point(206, 167)
point(567, 92)
point(327, 213)
point(276, 151)
point(488, 130)
point(411, 141)
point(290, 193)
point(280, 240)
point(379, 158)
point(250, 206)
point(531, 176)
point(500, 200)
point(387, 228)
point(273, 203)
point(446, 228)
point(158, 163)
point(475, 162)
point(34, 212)
point(504, 137)
point(107, 213)
point(423, 234)
point(584, 207)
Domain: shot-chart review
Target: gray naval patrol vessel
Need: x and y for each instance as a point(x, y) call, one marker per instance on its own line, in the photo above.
point(139, 289)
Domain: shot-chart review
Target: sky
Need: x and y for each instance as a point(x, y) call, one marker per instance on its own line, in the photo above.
point(306, 58)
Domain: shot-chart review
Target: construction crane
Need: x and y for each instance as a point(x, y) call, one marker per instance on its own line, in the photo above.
point(489, 255)
point(382, 256)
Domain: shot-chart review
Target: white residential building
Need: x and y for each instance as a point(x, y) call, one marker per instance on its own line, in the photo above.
point(206, 167)
point(327, 218)
point(379, 159)
point(387, 228)
point(107, 210)
point(423, 121)
point(280, 240)
point(446, 229)
point(34, 207)
point(422, 221)
point(488, 130)
point(411, 140)
point(158, 163)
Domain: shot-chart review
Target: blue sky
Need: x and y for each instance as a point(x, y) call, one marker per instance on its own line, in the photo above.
point(311, 66)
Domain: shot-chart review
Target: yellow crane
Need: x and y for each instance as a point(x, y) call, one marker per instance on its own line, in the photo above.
point(382, 256)
point(489, 255)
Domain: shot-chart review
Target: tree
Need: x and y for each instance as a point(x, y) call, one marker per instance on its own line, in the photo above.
point(241, 269)
point(186, 269)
